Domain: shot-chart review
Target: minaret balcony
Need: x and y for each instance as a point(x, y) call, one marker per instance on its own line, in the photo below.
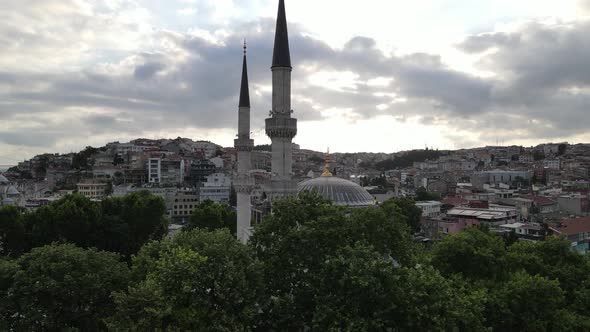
point(244, 144)
point(281, 127)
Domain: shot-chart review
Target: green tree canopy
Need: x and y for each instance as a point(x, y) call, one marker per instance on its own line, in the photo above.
point(121, 224)
point(473, 253)
point(294, 243)
point(404, 209)
point(12, 232)
point(210, 215)
point(552, 258)
point(198, 281)
point(424, 195)
point(526, 303)
point(74, 218)
point(359, 290)
point(61, 286)
point(129, 222)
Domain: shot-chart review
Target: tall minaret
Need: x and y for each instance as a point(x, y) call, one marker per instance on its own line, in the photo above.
point(281, 127)
point(244, 145)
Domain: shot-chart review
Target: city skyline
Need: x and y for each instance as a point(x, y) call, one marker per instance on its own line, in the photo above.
point(447, 74)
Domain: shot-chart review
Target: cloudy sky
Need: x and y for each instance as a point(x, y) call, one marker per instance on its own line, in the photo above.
point(371, 75)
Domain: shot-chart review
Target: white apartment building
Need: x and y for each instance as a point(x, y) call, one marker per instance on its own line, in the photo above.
point(217, 188)
point(123, 148)
point(552, 164)
point(166, 172)
point(207, 148)
point(154, 170)
point(430, 209)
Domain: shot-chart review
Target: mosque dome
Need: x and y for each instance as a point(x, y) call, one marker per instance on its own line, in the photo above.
point(340, 191)
point(12, 191)
point(3, 179)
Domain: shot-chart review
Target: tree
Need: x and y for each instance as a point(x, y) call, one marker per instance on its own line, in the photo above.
point(561, 149)
point(109, 188)
point(263, 147)
point(121, 224)
point(538, 155)
point(526, 303)
point(197, 281)
point(294, 243)
point(473, 253)
point(404, 209)
point(127, 223)
point(59, 287)
point(210, 215)
point(379, 181)
point(8, 269)
point(73, 218)
point(372, 294)
point(552, 258)
point(80, 160)
point(408, 159)
point(424, 195)
point(316, 159)
point(12, 232)
point(520, 182)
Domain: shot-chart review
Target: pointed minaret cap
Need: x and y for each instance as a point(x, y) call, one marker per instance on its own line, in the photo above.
point(327, 172)
point(244, 89)
point(281, 56)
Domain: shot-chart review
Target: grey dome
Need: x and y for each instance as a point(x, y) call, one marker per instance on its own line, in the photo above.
point(12, 191)
point(340, 191)
point(3, 179)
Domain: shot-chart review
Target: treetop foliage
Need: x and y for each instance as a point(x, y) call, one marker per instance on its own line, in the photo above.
point(211, 216)
point(119, 225)
point(405, 160)
point(310, 266)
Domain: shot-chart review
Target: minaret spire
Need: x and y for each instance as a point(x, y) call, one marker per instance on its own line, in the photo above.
point(281, 56)
point(244, 89)
point(281, 127)
point(244, 145)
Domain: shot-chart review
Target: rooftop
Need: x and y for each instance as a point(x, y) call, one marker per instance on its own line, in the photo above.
point(477, 213)
point(426, 203)
point(572, 226)
point(543, 201)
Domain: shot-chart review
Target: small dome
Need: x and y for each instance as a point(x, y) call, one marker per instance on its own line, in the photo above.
point(12, 191)
point(3, 179)
point(340, 191)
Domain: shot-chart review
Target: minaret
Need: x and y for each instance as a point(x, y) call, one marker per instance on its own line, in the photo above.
point(281, 127)
point(244, 145)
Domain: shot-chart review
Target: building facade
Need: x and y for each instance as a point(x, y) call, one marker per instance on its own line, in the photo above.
point(92, 190)
point(217, 188)
point(165, 172)
point(430, 209)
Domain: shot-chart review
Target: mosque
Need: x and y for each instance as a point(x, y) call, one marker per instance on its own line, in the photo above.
point(281, 128)
point(9, 195)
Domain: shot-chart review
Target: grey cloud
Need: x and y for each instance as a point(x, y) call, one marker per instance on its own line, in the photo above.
point(162, 91)
point(483, 42)
point(537, 72)
point(30, 138)
point(148, 70)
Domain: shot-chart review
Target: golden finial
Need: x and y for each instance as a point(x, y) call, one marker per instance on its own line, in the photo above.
point(327, 172)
